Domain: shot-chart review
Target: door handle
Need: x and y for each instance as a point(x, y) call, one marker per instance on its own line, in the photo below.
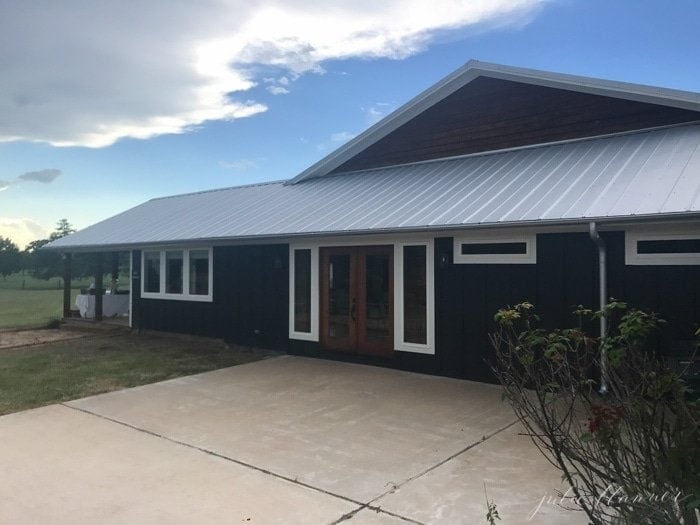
point(353, 309)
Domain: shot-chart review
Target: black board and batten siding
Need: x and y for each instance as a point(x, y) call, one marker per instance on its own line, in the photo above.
point(251, 300)
point(566, 275)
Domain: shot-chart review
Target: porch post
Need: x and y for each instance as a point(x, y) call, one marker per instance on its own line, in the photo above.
point(67, 260)
point(114, 271)
point(99, 288)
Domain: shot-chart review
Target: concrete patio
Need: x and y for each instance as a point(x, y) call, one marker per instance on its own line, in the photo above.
point(283, 440)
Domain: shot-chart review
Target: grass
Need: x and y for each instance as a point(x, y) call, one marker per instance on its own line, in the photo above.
point(29, 302)
point(51, 373)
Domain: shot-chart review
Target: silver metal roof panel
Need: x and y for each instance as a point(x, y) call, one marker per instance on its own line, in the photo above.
point(634, 174)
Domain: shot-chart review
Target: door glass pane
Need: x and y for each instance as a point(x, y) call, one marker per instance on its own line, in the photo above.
point(414, 295)
point(302, 291)
point(151, 272)
point(377, 322)
point(339, 296)
point(199, 272)
point(173, 271)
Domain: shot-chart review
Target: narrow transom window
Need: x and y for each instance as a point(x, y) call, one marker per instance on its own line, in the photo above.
point(495, 248)
point(667, 247)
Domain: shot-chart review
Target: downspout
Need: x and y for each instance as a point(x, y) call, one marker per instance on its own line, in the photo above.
point(603, 293)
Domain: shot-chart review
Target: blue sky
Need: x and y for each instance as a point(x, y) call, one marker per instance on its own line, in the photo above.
point(136, 104)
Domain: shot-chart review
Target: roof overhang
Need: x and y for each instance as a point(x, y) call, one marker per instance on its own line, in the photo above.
point(544, 226)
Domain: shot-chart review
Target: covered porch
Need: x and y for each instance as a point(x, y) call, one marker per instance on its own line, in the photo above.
point(108, 297)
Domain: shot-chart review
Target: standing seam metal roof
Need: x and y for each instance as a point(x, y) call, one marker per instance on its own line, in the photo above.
point(636, 174)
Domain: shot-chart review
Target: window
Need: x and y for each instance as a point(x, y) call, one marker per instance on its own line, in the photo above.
point(303, 293)
point(173, 271)
point(413, 297)
point(184, 274)
point(495, 249)
point(199, 272)
point(151, 272)
point(662, 248)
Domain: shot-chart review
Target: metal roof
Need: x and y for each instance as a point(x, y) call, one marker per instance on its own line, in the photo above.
point(474, 69)
point(646, 173)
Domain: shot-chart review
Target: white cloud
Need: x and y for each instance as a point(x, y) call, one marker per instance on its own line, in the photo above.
point(4, 184)
point(240, 164)
point(43, 176)
point(335, 140)
point(277, 90)
point(378, 111)
point(342, 136)
point(22, 231)
point(91, 73)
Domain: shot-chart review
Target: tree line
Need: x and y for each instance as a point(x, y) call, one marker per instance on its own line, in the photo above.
point(42, 264)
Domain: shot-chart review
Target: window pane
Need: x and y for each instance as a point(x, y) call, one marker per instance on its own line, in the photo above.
point(669, 246)
point(302, 291)
point(151, 272)
point(199, 272)
point(173, 272)
point(339, 296)
point(378, 321)
point(414, 295)
point(494, 248)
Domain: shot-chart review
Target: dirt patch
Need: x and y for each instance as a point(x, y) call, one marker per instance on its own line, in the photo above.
point(35, 337)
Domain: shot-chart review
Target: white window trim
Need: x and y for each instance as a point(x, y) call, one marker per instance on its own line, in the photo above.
point(633, 258)
point(399, 343)
point(131, 288)
point(496, 237)
point(313, 334)
point(185, 295)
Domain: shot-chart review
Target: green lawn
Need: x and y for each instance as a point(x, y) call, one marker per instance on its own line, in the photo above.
point(26, 302)
point(25, 308)
point(50, 373)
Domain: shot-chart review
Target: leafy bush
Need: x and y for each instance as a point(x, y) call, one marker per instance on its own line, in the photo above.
point(630, 456)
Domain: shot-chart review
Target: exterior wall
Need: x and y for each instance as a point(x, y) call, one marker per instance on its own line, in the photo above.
point(566, 275)
point(251, 300)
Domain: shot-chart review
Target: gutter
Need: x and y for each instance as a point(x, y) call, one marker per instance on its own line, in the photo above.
point(603, 298)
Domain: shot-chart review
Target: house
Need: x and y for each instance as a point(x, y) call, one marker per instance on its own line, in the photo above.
point(494, 186)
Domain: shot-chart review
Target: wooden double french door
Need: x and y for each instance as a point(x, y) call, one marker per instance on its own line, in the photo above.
point(357, 299)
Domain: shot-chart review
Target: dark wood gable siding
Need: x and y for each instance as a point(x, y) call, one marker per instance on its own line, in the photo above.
point(489, 114)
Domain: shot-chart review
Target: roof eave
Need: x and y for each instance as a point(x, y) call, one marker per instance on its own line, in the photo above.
point(620, 220)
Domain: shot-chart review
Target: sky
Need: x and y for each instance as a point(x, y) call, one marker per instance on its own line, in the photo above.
point(104, 105)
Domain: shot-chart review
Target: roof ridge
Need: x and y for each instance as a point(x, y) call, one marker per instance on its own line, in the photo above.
point(214, 190)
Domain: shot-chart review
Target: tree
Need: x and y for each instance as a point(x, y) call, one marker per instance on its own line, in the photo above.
point(630, 453)
point(63, 228)
point(45, 264)
point(10, 257)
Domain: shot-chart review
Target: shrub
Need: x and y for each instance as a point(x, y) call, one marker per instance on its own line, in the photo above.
point(629, 456)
